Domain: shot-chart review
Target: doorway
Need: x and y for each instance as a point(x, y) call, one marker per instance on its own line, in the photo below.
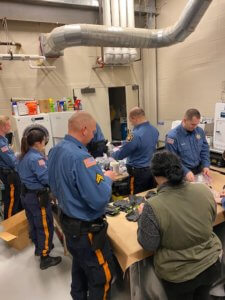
point(118, 112)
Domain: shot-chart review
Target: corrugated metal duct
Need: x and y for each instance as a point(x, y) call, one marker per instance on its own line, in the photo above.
point(100, 35)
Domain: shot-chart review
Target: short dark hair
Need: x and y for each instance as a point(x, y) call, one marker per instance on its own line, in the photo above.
point(192, 112)
point(137, 112)
point(168, 165)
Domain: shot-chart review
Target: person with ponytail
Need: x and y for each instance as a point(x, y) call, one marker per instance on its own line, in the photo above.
point(177, 224)
point(32, 168)
point(8, 174)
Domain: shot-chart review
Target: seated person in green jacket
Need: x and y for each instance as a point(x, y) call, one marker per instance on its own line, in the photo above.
point(177, 224)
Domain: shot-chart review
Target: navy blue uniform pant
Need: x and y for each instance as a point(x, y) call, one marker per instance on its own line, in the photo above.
point(11, 194)
point(92, 271)
point(40, 222)
point(141, 180)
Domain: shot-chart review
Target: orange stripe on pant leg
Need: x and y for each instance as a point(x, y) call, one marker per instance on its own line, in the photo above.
point(105, 266)
point(45, 226)
point(11, 199)
point(132, 185)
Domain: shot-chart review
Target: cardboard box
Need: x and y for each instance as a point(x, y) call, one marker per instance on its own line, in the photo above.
point(15, 231)
point(44, 106)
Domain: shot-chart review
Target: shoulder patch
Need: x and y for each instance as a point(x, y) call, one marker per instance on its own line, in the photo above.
point(5, 148)
point(89, 162)
point(198, 136)
point(130, 137)
point(41, 162)
point(99, 178)
point(170, 141)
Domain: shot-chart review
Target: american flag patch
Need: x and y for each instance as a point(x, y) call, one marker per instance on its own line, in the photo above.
point(41, 162)
point(89, 162)
point(170, 141)
point(5, 148)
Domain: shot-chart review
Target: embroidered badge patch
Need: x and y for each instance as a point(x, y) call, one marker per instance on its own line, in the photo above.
point(89, 162)
point(5, 148)
point(41, 162)
point(170, 141)
point(99, 178)
point(130, 137)
point(198, 136)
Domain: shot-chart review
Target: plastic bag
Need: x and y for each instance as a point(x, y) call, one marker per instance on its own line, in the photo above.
point(201, 178)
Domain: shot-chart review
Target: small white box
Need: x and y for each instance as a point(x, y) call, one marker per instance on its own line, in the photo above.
point(22, 108)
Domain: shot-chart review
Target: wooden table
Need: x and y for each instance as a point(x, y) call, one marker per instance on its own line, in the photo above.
point(120, 177)
point(218, 169)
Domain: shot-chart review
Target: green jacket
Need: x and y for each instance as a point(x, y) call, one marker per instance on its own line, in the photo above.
point(189, 246)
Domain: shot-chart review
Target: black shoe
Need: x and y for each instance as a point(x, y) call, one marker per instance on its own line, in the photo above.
point(49, 261)
point(36, 250)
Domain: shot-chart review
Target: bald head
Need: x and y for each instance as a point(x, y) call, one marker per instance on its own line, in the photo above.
point(79, 120)
point(82, 126)
point(137, 116)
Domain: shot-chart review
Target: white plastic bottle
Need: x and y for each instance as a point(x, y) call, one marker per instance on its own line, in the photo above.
point(15, 109)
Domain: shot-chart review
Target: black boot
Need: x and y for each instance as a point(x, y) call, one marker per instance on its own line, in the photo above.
point(49, 261)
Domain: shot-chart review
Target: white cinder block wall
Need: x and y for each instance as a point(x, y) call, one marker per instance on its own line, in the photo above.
point(73, 70)
point(190, 74)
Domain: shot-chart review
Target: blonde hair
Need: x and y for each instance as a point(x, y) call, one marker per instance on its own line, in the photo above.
point(3, 120)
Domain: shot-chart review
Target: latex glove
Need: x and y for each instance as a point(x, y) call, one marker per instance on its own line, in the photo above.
point(190, 177)
point(110, 174)
point(205, 171)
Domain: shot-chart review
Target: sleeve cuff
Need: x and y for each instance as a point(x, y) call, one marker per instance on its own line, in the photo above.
point(113, 155)
point(186, 170)
point(223, 202)
point(207, 165)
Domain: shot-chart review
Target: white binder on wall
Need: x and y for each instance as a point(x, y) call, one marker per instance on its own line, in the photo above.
point(59, 124)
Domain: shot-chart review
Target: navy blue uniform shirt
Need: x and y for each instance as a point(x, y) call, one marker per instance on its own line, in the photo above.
point(77, 181)
point(140, 146)
point(98, 135)
point(191, 147)
point(7, 156)
point(33, 170)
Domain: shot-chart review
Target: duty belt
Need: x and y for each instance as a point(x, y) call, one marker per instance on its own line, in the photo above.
point(134, 170)
point(84, 226)
point(6, 171)
point(25, 190)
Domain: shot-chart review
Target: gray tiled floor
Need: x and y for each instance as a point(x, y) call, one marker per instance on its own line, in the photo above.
point(22, 279)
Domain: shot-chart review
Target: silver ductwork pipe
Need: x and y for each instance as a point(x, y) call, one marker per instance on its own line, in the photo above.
point(99, 35)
